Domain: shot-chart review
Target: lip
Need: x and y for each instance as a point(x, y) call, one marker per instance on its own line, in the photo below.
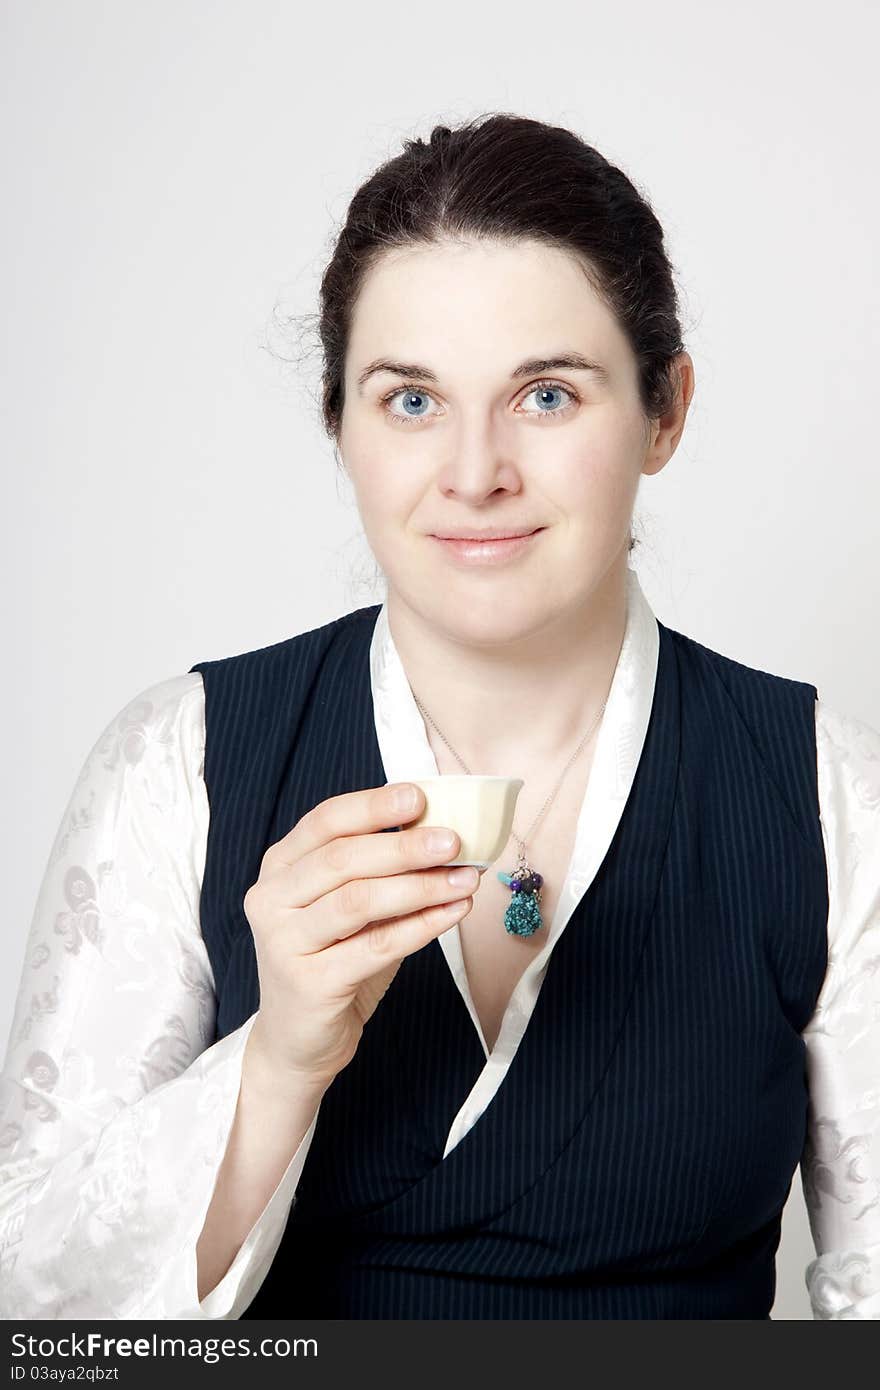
point(490, 552)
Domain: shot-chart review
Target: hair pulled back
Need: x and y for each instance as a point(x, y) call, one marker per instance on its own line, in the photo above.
point(497, 176)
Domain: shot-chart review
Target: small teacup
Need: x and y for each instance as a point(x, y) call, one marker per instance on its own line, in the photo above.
point(479, 809)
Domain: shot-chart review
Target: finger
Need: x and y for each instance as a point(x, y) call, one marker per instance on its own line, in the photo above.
point(380, 944)
point(360, 903)
point(351, 813)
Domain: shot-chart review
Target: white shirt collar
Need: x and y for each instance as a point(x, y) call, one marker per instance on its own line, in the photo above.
point(406, 752)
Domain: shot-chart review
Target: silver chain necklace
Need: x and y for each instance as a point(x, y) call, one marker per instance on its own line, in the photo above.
point(522, 916)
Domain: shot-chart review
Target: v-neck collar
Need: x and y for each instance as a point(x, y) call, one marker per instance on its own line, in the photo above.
point(406, 753)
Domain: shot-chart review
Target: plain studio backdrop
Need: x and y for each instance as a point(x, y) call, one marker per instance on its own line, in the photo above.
point(174, 174)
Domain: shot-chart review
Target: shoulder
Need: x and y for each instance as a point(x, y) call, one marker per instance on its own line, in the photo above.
point(848, 762)
point(848, 740)
point(775, 712)
point(148, 760)
point(848, 758)
point(297, 648)
point(133, 830)
point(734, 673)
point(167, 714)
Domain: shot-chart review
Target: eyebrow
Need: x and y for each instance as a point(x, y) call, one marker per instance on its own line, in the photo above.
point(532, 366)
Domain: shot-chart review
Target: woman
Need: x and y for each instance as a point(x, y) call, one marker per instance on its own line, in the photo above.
point(259, 1065)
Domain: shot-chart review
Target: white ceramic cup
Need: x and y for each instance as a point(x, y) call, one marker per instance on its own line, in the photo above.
point(479, 809)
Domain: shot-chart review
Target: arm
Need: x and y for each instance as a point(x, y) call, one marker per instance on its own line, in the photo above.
point(840, 1166)
point(115, 1112)
point(270, 1137)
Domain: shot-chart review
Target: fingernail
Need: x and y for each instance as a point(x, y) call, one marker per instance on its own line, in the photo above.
point(404, 798)
point(464, 877)
point(440, 840)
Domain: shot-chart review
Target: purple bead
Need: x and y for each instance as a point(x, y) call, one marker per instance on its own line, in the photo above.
point(515, 885)
point(537, 880)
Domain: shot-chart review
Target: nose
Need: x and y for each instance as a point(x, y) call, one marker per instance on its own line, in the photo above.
point(478, 464)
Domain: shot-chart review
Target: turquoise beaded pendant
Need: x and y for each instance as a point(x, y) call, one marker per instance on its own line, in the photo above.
point(523, 916)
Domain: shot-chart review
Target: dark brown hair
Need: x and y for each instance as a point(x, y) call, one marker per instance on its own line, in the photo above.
point(501, 175)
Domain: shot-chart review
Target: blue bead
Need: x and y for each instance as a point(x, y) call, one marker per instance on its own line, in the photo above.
point(522, 917)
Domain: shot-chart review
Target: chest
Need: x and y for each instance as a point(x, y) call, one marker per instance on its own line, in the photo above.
point(495, 959)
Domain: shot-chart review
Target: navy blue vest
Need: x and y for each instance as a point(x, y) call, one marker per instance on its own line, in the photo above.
point(635, 1161)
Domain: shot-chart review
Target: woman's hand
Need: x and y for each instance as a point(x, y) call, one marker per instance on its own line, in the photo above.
point(336, 909)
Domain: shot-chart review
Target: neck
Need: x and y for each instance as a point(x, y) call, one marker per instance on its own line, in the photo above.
point(519, 704)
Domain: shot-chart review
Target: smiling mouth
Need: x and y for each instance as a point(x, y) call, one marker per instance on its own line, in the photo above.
point(481, 539)
point(488, 552)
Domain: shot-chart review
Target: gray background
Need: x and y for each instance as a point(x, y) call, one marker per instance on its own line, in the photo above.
point(173, 176)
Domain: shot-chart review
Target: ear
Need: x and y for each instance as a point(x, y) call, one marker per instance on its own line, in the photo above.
point(668, 429)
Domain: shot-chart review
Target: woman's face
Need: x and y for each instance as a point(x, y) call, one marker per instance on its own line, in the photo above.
point(473, 432)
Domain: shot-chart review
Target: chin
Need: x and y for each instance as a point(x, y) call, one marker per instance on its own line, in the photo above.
point(498, 623)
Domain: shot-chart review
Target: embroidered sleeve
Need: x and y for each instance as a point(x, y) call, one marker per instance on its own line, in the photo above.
point(114, 1109)
point(840, 1166)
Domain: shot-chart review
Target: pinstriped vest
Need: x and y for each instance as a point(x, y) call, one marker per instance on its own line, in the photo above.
point(635, 1161)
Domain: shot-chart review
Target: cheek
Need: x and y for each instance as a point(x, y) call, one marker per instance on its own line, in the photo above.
point(593, 483)
point(373, 474)
point(386, 491)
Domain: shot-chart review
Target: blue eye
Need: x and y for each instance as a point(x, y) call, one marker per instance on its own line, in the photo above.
point(549, 388)
point(414, 400)
point(412, 397)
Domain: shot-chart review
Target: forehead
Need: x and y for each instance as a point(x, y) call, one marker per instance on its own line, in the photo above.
point(501, 298)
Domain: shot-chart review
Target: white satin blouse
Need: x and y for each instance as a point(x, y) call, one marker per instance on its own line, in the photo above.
point(115, 1105)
